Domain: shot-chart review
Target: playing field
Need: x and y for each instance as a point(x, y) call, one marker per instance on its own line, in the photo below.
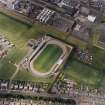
point(84, 74)
point(47, 58)
point(99, 58)
point(12, 30)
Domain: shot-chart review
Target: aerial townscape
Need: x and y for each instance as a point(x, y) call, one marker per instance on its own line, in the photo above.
point(52, 52)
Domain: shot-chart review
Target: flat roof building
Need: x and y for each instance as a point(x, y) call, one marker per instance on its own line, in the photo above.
point(9, 3)
point(91, 18)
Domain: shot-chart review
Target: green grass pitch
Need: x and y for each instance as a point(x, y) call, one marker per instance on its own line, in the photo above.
point(47, 58)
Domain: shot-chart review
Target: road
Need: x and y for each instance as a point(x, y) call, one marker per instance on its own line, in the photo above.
point(78, 97)
point(46, 95)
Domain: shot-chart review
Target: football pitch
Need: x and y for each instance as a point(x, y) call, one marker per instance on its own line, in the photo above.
point(47, 58)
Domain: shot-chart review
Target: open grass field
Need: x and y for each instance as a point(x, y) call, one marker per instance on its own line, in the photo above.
point(12, 30)
point(98, 49)
point(47, 58)
point(98, 58)
point(83, 74)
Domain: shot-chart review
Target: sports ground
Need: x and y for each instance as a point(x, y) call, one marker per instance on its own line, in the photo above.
point(51, 53)
point(19, 33)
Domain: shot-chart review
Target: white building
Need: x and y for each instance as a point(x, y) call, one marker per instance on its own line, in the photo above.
point(45, 15)
point(9, 3)
point(91, 18)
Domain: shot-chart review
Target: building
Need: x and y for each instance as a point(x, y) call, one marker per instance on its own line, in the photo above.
point(69, 3)
point(45, 15)
point(8, 3)
point(61, 23)
point(91, 18)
